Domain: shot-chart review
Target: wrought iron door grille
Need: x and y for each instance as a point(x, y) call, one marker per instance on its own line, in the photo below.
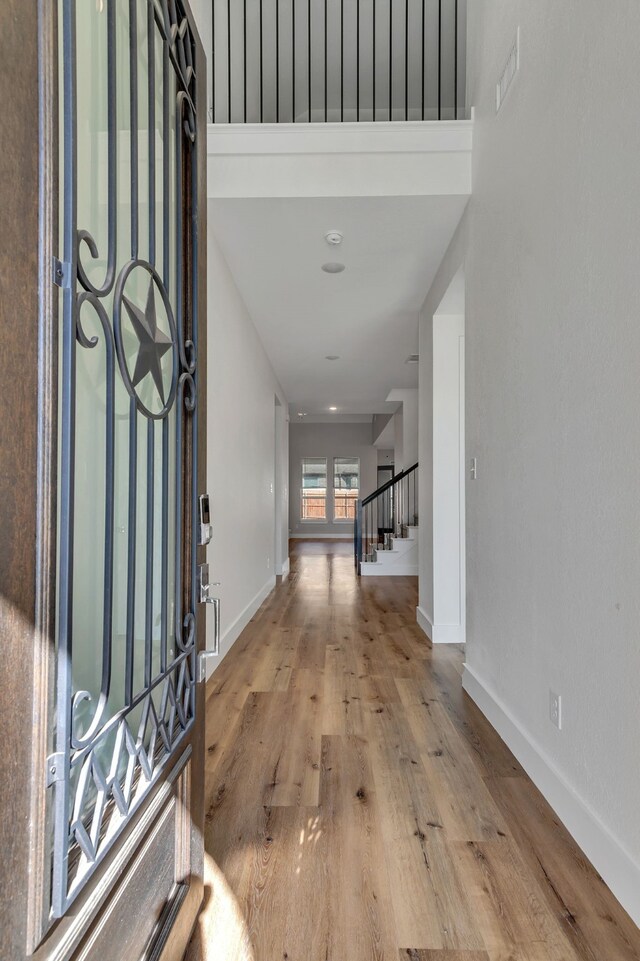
point(128, 373)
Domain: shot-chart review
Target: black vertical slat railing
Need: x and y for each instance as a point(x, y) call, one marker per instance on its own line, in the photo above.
point(277, 61)
point(261, 74)
point(357, 60)
point(407, 82)
point(390, 59)
point(244, 59)
point(385, 514)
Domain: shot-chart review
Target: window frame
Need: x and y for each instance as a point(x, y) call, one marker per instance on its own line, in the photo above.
point(313, 520)
point(355, 460)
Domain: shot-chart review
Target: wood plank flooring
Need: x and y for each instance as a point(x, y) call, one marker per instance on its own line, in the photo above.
point(359, 806)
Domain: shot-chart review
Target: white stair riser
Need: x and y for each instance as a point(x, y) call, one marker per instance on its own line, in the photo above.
point(402, 561)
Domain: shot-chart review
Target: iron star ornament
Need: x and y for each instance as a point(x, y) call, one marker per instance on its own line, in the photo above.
point(153, 342)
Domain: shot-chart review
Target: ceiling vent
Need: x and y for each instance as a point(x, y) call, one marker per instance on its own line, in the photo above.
point(412, 359)
point(509, 73)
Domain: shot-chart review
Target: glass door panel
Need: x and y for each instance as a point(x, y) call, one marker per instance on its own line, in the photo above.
point(126, 605)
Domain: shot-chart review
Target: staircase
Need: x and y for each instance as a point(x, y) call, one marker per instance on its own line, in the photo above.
point(386, 528)
point(395, 557)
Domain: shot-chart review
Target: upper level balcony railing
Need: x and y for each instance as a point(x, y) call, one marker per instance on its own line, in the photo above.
point(319, 61)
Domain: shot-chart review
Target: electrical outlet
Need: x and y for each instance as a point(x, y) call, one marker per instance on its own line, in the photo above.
point(555, 709)
point(473, 468)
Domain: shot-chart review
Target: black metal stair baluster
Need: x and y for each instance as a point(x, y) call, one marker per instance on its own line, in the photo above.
point(439, 59)
point(423, 60)
point(406, 60)
point(366, 539)
point(390, 59)
point(261, 66)
point(357, 59)
point(326, 60)
point(309, 57)
point(406, 486)
point(213, 56)
point(373, 58)
point(229, 60)
point(277, 61)
point(341, 61)
point(413, 500)
point(455, 61)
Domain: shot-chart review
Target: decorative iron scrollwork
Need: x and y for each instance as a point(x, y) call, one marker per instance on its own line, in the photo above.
point(154, 343)
point(116, 737)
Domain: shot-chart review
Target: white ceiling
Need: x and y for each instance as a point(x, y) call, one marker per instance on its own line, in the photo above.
point(368, 315)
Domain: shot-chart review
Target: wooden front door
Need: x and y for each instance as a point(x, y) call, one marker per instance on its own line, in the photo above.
point(102, 461)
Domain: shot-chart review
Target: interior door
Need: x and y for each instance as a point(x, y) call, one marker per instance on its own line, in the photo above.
point(110, 726)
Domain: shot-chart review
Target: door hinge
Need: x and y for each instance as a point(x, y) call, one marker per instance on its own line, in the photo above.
point(55, 768)
point(61, 272)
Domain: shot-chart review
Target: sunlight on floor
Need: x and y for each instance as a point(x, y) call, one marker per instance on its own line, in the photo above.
point(221, 930)
point(308, 837)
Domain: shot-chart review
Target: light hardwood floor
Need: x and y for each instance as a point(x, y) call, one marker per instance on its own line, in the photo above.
point(359, 806)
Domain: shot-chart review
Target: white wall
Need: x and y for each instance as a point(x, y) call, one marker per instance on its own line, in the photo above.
point(281, 473)
point(398, 440)
point(329, 440)
point(442, 608)
point(448, 614)
point(550, 245)
point(405, 427)
point(241, 453)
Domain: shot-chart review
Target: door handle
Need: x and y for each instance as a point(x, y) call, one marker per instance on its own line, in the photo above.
point(205, 598)
point(216, 624)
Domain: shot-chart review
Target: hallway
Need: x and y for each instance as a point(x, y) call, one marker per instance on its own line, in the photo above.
point(359, 806)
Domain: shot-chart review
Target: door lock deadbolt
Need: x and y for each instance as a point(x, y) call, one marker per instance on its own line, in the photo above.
point(205, 530)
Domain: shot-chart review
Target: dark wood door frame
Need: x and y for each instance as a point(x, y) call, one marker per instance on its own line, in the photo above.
point(27, 413)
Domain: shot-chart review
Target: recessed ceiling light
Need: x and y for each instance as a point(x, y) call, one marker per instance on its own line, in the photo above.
point(333, 408)
point(333, 238)
point(301, 413)
point(332, 357)
point(333, 268)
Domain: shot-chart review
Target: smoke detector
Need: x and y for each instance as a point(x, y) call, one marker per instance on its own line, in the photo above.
point(333, 238)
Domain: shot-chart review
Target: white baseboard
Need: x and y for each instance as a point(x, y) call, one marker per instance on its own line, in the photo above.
point(611, 861)
point(284, 569)
point(439, 633)
point(312, 536)
point(424, 621)
point(235, 629)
